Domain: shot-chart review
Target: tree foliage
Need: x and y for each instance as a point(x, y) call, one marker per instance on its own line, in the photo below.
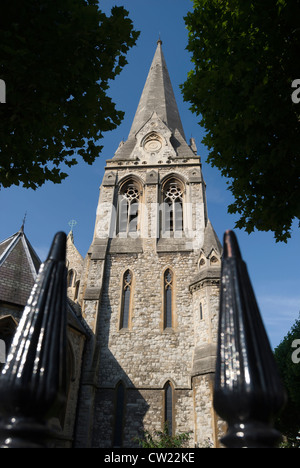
point(163, 439)
point(289, 368)
point(245, 55)
point(56, 59)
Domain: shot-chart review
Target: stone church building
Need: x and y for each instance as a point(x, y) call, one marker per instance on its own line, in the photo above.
point(144, 301)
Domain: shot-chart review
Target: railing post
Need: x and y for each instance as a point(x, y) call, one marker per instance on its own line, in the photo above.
point(33, 381)
point(248, 392)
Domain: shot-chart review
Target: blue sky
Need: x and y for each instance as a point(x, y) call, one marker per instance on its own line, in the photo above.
point(274, 268)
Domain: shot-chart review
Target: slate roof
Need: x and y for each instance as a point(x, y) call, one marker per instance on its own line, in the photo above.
point(211, 241)
point(19, 265)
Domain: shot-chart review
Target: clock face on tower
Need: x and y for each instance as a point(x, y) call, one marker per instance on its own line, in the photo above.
point(152, 143)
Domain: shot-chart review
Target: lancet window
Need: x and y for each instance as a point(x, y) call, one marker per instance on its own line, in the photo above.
point(126, 299)
point(168, 390)
point(70, 280)
point(168, 299)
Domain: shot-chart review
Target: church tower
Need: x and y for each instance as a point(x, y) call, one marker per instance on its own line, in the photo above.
point(149, 286)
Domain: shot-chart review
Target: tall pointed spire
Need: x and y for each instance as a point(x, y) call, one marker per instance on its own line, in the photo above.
point(158, 96)
point(157, 102)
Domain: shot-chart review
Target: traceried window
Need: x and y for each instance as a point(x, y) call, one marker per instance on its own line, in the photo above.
point(129, 199)
point(126, 299)
point(173, 206)
point(168, 299)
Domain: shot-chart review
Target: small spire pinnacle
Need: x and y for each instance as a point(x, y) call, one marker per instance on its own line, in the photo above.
point(23, 223)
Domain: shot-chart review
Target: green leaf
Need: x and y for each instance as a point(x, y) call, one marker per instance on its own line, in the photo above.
point(58, 63)
point(244, 58)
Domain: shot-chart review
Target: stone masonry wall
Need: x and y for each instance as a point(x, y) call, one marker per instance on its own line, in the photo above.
point(145, 356)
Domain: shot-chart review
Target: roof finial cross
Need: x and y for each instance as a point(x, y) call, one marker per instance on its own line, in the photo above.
point(72, 224)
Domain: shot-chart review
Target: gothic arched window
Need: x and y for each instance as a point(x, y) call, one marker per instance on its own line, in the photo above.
point(119, 415)
point(201, 311)
point(128, 212)
point(126, 299)
point(8, 326)
point(168, 299)
point(168, 413)
point(70, 278)
point(173, 206)
point(76, 290)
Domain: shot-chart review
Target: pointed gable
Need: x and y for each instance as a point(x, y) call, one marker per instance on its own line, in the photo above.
point(158, 96)
point(211, 241)
point(19, 265)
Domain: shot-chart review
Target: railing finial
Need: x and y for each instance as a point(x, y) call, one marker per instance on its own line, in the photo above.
point(33, 380)
point(248, 392)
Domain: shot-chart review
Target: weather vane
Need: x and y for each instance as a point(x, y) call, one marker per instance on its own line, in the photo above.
point(72, 224)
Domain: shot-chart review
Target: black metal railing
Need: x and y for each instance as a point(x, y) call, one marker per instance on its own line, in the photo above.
point(33, 380)
point(248, 393)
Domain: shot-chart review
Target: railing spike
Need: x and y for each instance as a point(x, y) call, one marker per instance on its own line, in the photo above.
point(33, 380)
point(248, 392)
